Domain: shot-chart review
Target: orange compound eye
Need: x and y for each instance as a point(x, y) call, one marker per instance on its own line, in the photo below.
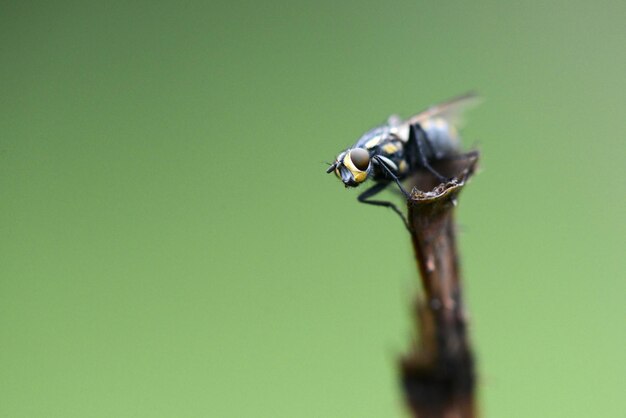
point(360, 158)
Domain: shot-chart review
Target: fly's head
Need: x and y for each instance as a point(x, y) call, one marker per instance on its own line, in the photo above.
point(352, 166)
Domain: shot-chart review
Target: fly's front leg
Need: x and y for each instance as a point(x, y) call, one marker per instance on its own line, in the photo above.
point(374, 190)
point(388, 168)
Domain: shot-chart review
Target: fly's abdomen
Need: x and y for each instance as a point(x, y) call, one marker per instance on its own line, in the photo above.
point(442, 137)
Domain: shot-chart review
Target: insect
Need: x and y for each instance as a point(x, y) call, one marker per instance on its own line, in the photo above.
point(393, 151)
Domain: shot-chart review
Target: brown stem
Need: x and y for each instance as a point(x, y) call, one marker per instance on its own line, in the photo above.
point(438, 375)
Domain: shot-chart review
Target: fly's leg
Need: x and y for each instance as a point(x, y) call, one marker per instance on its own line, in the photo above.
point(390, 173)
point(419, 136)
point(374, 190)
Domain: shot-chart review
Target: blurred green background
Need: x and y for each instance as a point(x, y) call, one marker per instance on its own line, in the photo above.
point(171, 245)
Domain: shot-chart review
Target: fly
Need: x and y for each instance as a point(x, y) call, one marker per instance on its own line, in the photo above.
point(393, 151)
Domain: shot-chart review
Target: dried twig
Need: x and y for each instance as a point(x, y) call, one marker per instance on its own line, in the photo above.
point(438, 375)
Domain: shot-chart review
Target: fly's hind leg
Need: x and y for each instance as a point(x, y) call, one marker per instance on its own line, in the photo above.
point(419, 137)
point(374, 190)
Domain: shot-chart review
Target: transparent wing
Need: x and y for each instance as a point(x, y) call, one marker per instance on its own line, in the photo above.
point(451, 110)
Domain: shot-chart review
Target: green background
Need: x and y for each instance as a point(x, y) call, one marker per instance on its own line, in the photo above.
point(171, 246)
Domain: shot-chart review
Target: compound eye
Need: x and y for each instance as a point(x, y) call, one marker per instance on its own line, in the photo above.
point(360, 158)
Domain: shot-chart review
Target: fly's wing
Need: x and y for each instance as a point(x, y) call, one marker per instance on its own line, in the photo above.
point(451, 110)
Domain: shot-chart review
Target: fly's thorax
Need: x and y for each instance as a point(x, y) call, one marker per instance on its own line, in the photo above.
point(395, 129)
point(401, 131)
point(394, 150)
